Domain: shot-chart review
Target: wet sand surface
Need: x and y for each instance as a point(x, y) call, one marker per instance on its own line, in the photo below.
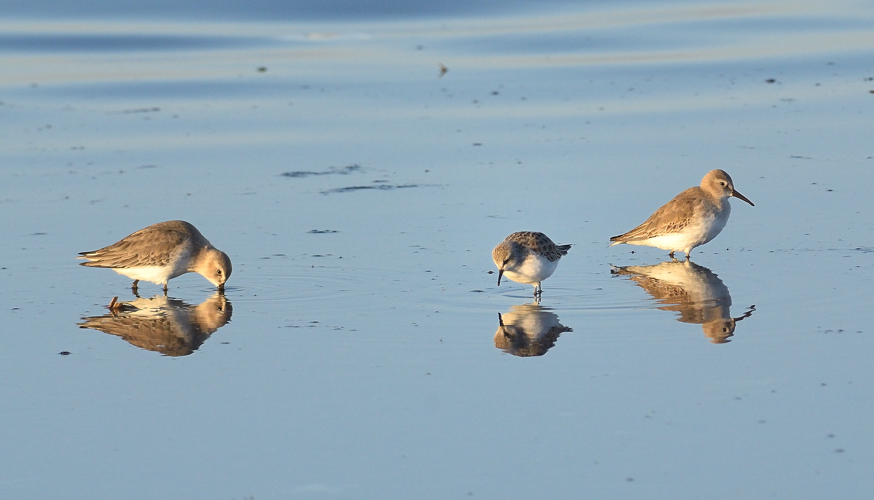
point(359, 190)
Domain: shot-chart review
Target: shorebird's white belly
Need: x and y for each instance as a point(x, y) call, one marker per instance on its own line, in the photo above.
point(530, 320)
point(155, 274)
point(533, 269)
point(177, 265)
point(703, 230)
point(700, 284)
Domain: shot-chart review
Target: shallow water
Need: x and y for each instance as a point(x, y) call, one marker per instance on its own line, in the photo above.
point(359, 351)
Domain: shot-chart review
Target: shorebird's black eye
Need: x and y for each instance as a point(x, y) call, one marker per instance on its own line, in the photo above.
point(219, 271)
point(722, 183)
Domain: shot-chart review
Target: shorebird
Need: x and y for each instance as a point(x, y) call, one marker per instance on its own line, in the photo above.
point(691, 219)
point(528, 257)
point(162, 252)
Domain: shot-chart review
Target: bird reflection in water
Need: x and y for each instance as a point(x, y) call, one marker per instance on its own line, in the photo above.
point(692, 290)
point(162, 324)
point(528, 330)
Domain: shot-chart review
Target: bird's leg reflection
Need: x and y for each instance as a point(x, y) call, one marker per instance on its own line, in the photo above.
point(746, 314)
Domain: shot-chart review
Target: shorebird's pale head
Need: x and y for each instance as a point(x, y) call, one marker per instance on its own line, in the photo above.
point(503, 257)
point(216, 267)
point(719, 330)
point(213, 313)
point(719, 183)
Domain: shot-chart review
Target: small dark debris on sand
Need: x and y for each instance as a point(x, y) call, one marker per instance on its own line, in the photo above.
point(135, 110)
point(380, 187)
point(330, 171)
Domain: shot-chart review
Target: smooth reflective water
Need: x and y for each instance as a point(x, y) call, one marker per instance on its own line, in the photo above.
point(359, 192)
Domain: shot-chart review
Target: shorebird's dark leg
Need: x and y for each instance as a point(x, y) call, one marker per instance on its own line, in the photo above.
point(165, 288)
point(671, 255)
point(134, 286)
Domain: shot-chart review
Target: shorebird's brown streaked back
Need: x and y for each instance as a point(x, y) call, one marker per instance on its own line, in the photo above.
point(528, 257)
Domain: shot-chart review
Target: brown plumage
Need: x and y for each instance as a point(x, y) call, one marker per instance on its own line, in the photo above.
point(540, 243)
point(161, 252)
point(693, 218)
point(527, 257)
point(168, 326)
point(528, 330)
point(693, 291)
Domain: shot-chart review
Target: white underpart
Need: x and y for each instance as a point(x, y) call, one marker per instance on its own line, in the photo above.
point(703, 288)
point(533, 270)
point(531, 320)
point(177, 266)
point(691, 236)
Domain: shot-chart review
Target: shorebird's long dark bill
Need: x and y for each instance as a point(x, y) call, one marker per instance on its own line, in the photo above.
point(500, 273)
point(742, 197)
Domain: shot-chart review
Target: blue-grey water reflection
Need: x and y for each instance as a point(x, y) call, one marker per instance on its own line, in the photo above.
point(528, 330)
point(691, 290)
point(359, 194)
point(166, 325)
point(262, 10)
point(114, 43)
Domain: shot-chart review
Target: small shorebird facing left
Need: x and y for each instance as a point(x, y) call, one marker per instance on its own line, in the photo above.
point(691, 219)
point(528, 257)
point(162, 252)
